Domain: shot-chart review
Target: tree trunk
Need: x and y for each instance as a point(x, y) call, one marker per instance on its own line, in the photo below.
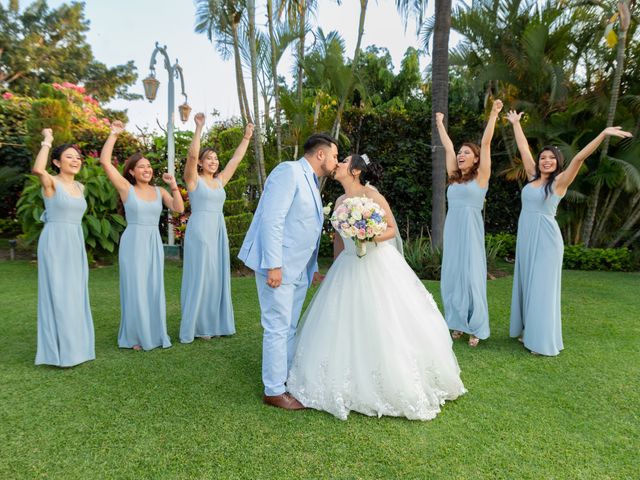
point(257, 134)
point(239, 76)
point(439, 103)
point(632, 219)
point(600, 225)
point(274, 75)
point(316, 113)
point(302, 17)
point(592, 204)
point(354, 65)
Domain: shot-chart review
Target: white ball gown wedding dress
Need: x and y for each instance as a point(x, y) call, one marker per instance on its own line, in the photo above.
point(373, 341)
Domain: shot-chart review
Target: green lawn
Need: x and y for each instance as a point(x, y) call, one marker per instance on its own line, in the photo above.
point(195, 411)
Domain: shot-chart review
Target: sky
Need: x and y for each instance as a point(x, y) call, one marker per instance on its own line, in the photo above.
point(123, 30)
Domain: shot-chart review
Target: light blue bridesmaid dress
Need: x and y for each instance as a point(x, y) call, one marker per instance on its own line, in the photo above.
point(464, 261)
point(535, 298)
point(206, 285)
point(65, 326)
point(141, 261)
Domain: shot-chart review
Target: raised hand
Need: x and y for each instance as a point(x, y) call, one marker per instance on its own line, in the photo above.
point(514, 117)
point(248, 131)
point(439, 117)
point(117, 127)
point(496, 107)
point(199, 119)
point(617, 132)
point(47, 135)
point(169, 180)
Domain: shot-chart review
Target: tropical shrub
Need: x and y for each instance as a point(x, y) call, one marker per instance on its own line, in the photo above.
point(423, 257)
point(578, 257)
point(101, 224)
point(504, 244)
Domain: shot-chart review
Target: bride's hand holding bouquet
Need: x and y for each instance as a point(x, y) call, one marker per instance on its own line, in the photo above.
point(361, 219)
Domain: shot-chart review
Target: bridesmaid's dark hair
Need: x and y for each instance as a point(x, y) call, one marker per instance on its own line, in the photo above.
point(548, 186)
point(202, 155)
point(129, 165)
point(369, 171)
point(57, 152)
point(458, 176)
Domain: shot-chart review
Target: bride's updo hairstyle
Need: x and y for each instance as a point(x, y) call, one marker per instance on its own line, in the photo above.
point(370, 172)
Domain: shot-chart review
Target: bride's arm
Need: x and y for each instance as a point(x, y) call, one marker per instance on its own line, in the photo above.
point(390, 232)
point(338, 245)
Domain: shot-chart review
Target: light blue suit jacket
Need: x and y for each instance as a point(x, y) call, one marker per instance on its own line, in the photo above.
point(286, 227)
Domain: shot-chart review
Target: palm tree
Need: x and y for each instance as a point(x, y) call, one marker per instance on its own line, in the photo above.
point(441, 25)
point(296, 12)
point(354, 65)
point(257, 137)
point(592, 205)
point(274, 76)
point(221, 21)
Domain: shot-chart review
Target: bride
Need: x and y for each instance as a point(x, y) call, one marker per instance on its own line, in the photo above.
point(372, 339)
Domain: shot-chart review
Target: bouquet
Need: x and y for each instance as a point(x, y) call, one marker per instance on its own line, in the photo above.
point(359, 218)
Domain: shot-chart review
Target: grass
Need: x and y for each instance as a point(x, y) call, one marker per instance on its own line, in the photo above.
point(194, 411)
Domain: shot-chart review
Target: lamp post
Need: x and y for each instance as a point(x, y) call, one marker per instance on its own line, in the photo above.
point(151, 84)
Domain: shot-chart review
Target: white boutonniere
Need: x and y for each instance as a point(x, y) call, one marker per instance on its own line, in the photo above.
point(326, 210)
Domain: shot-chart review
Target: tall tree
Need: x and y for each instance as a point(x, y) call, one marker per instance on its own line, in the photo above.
point(221, 21)
point(439, 103)
point(415, 9)
point(44, 45)
point(274, 76)
point(343, 100)
point(257, 137)
point(592, 204)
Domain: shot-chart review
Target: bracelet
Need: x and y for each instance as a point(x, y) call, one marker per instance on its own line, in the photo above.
point(45, 144)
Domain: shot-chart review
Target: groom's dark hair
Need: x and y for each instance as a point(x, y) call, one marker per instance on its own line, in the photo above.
point(316, 140)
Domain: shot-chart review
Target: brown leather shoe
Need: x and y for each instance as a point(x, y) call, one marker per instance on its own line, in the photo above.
point(284, 400)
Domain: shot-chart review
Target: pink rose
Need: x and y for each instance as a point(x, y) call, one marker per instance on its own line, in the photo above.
point(80, 89)
point(69, 85)
point(7, 95)
point(93, 119)
point(57, 86)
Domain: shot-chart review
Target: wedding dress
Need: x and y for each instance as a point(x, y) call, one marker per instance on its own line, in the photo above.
point(373, 341)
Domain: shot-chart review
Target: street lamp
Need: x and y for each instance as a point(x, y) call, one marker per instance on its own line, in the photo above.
point(151, 84)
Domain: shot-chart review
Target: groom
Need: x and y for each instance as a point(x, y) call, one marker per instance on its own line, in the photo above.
point(281, 247)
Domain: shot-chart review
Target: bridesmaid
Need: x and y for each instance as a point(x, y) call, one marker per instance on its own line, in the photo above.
point(464, 264)
point(141, 258)
point(65, 325)
point(535, 299)
point(207, 310)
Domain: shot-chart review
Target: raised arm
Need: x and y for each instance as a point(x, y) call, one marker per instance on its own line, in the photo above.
point(40, 164)
point(484, 169)
point(122, 184)
point(174, 200)
point(523, 146)
point(226, 174)
point(566, 178)
point(191, 167)
point(450, 152)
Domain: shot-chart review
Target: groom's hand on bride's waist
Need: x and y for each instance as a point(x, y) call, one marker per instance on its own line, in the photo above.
point(274, 277)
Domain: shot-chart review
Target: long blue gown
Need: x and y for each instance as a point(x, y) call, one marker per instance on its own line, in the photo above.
point(535, 298)
point(464, 261)
point(206, 285)
point(141, 261)
point(65, 325)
